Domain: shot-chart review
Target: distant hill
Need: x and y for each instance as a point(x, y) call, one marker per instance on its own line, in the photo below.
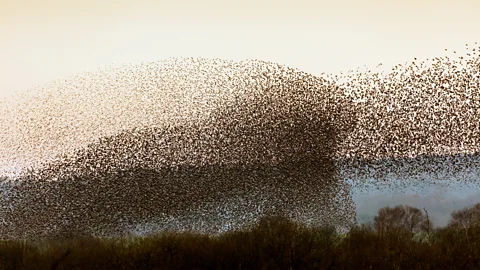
point(424, 168)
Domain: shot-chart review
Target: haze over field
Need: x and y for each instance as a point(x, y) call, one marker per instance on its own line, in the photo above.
point(44, 41)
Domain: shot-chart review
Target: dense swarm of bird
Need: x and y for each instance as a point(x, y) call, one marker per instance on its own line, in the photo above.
point(212, 144)
point(179, 144)
point(418, 121)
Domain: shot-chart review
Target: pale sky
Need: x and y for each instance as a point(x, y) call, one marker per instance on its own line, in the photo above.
point(47, 40)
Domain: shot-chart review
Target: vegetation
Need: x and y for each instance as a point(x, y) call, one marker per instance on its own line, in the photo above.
point(399, 238)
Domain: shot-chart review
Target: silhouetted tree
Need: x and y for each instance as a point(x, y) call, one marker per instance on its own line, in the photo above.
point(467, 217)
point(401, 218)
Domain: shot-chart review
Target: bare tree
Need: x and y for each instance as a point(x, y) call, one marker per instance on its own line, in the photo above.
point(401, 218)
point(427, 227)
point(465, 218)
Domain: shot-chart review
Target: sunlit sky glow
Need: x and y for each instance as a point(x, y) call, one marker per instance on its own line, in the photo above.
point(46, 40)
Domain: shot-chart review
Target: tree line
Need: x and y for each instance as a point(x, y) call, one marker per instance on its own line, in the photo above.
point(400, 237)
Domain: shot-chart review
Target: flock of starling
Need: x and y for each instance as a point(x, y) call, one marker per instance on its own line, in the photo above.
point(194, 144)
point(417, 122)
point(212, 145)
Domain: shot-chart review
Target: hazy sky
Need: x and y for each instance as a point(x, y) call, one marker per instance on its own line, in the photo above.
point(438, 199)
point(46, 40)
